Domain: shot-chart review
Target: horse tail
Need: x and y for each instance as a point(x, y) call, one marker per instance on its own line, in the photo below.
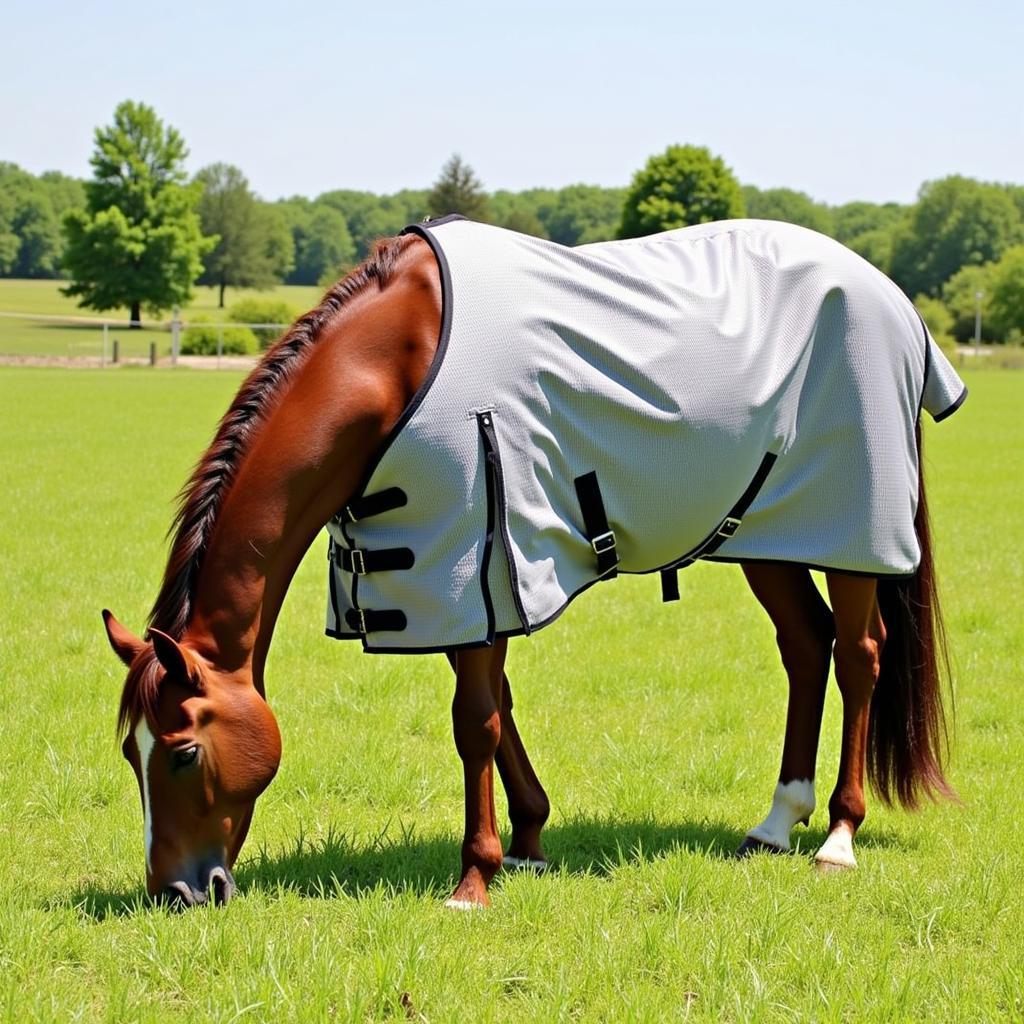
point(908, 737)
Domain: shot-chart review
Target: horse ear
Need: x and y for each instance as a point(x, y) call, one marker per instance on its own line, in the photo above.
point(125, 643)
point(177, 662)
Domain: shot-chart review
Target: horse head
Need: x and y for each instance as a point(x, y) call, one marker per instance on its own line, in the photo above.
point(203, 744)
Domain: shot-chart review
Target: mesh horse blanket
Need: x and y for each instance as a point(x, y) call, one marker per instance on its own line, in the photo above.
point(744, 390)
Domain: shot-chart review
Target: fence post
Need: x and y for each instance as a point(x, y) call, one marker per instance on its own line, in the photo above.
point(117, 352)
point(152, 353)
point(103, 351)
point(175, 335)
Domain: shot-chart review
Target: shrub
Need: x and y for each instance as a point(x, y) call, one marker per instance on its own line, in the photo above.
point(263, 311)
point(200, 339)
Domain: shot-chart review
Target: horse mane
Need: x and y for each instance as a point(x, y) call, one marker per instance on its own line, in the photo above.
point(202, 496)
point(200, 499)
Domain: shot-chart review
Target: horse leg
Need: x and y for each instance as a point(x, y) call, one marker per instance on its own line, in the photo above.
point(476, 718)
point(528, 806)
point(860, 635)
point(803, 631)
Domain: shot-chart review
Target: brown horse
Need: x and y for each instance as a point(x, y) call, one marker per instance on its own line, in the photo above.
point(290, 452)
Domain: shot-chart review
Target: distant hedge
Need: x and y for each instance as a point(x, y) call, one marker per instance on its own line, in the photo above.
point(200, 339)
point(263, 311)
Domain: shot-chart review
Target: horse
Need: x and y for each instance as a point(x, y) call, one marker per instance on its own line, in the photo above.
point(295, 451)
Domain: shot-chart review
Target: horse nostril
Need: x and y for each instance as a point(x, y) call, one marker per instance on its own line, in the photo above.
point(220, 885)
point(177, 896)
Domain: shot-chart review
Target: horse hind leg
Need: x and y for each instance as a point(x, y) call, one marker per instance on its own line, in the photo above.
point(860, 636)
point(804, 631)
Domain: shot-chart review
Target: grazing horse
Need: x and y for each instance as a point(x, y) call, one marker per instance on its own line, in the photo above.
point(530, 419)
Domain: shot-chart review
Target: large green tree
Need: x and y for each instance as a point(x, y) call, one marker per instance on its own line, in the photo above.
point(684, 185)
point(138, 242)
point(788, 205)
point(31, 242)
point(956, 222)
point(323, 245)
point(254, 246)
point(458, 190)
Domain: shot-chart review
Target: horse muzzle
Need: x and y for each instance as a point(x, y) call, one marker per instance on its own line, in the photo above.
point(217, 887)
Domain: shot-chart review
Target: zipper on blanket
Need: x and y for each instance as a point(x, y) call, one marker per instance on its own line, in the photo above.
point(497, 509)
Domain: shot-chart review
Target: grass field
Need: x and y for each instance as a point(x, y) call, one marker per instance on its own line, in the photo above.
point(656, 730)
point(26, 337)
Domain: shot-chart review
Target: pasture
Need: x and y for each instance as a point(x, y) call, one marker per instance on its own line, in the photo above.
point(656, 730)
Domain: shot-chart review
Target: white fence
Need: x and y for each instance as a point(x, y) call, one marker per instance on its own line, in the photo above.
point(102, 341)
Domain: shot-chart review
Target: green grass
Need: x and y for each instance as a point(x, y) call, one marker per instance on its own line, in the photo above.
point(656, 730)
point(26, 337)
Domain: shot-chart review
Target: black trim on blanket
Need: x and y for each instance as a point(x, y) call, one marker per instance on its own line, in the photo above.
point(442, 346)
point(493, 456)
point(927, 363)
point(732, 560)
point(485, 560)
point(953, 408)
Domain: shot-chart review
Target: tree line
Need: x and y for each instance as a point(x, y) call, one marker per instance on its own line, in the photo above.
point(140, 233)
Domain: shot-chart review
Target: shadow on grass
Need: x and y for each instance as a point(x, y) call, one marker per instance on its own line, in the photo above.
point(400, 861)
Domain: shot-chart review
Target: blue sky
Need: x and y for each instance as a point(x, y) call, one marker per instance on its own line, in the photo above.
point(844, 101)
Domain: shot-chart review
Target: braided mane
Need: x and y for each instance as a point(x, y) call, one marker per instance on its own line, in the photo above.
point(200, 500)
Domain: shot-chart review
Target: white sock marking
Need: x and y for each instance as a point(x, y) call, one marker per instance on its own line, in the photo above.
point(515, 863)
point(793, 801)
point(462, 905)
point(838, 847)
point(145, 742)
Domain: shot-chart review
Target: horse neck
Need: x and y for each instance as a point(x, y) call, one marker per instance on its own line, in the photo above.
point(306, 460)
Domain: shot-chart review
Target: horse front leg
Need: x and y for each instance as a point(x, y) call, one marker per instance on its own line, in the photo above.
point(803, 631)
point(476, 718)
point(860, 635)
point(528, 805)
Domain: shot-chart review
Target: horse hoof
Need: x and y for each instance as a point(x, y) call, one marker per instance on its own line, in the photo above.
point(831, 867)
point(538, 867)
point(751, 845)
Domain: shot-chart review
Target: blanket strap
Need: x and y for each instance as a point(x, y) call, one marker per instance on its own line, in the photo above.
point(373, 504)
point(721, 533)
point(366, 620)
point(596, 528)
point(360, 561)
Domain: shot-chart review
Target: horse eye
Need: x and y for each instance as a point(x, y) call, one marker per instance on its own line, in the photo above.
point(185, 757)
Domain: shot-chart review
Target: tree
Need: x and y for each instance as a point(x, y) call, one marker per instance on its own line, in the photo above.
point(578, 213)
point(938, 318)
point(31, 243)
point(321, 238)
point(960, 294)
point(254, 246)
point(956, 222)
point(684, 185)
point(138, 241)
point(852, 220)
point(788, 205)
point(370, 216)
point(1006, 309)
point(458, 190)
